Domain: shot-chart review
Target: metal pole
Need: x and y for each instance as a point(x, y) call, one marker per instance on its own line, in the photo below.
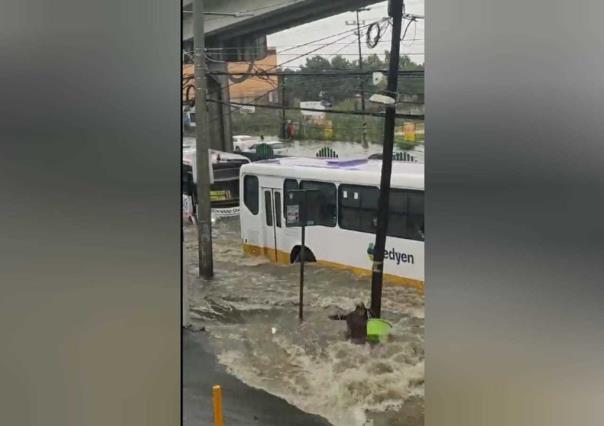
point(362, 83)
point(185, 301)
point(204, 212)
point(282, 87)
point(302, 256)
point(395, 10)
point(217, 399)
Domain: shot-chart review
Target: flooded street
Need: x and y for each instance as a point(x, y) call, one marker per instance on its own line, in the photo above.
point(345, 150)
point(249, 311)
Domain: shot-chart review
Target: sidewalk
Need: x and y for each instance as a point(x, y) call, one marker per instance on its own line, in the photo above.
point(243, 405)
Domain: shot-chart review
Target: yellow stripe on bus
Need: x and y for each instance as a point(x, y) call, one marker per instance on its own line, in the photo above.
point(282, 257)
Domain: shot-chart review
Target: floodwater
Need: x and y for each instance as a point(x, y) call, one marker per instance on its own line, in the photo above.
point(249, 310)
point(345, 150)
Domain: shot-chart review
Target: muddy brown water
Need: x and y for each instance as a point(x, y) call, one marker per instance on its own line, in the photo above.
point(249, 310)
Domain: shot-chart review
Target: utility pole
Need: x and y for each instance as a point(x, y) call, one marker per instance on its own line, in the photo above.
point(358, 33)
point(202, 145)
point(361, 61)
point(282, 133)
point(361, 78)
point(395, 11)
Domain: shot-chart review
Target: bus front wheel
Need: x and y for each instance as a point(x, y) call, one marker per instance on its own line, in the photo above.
point(308, 255)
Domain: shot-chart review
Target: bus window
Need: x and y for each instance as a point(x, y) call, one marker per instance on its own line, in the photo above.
point(278, 208)
point(358, 206)
point(406, 218)
point(397, 217)
point(290, 184)
point(250, 193)
point(287, 185)
point(328, 209)
point(415, 219)
point(268, 209)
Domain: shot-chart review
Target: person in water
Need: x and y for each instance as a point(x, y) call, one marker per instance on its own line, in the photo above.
point(356, 323)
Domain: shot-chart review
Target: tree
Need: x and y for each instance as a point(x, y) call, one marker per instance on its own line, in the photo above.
point(339, 89)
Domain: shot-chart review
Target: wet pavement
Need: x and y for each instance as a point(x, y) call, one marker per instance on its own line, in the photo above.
point(250, 313)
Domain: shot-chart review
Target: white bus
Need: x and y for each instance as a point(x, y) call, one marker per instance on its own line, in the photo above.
point(345, 234)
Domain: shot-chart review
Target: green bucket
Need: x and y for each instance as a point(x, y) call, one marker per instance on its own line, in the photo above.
point(378, 330)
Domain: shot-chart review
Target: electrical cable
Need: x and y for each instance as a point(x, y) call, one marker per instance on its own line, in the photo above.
point(331, 111)
point(407, 27)
point(372, 41)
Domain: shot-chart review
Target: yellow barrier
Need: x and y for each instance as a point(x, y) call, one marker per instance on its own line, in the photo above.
point(217, 393)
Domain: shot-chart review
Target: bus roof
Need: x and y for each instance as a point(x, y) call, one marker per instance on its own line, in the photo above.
point(355, 172)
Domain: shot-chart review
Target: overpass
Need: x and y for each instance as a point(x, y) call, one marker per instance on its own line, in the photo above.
point(259, 17)
point(242, 37)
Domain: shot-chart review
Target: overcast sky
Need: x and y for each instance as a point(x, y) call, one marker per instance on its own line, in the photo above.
point(412, 46)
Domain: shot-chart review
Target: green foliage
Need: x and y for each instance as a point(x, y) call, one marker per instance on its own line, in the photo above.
point(404, 145)
point(338, 89)
point(262, 122)
point(343, 93)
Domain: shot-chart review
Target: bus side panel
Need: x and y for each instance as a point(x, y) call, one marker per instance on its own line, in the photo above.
point(250, 225)
point(404, 258)
point(339, 247)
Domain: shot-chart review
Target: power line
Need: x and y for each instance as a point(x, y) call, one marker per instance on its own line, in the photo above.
point(348, 33)
point(343, 47)
point(317, 74)
point(349, 54)
point(407, 27)
point(288, 46)
point(302, 55)
point(323, 38)
point(298, 57)
point(331, 111)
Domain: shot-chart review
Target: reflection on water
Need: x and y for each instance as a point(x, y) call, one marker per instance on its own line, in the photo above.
point(250, 311)
point(345, 150)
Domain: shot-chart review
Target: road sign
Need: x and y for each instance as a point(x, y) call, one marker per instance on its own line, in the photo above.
point(302, 207)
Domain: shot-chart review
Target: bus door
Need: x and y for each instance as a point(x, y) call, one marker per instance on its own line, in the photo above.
point(272, 219)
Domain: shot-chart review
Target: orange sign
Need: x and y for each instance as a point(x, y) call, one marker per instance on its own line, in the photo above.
point(409, 132)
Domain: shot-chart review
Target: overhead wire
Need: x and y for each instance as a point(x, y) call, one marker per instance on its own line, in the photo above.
point(288, 46)
point(298, 56)
point(295, 58)
point(262, 74)
point(331, 111)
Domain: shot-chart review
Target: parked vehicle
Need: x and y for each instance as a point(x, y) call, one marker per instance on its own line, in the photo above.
point(278, 147)
point(224, 191)
point(243, 143)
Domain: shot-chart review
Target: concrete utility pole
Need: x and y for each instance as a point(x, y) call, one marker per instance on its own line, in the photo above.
point(361, 78)
point(204, 211)
point(395, 11)
point(282, 133)
point(358, 34)
point(361, 61)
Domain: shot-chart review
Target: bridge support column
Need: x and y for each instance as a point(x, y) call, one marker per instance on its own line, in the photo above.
point(220, 112)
